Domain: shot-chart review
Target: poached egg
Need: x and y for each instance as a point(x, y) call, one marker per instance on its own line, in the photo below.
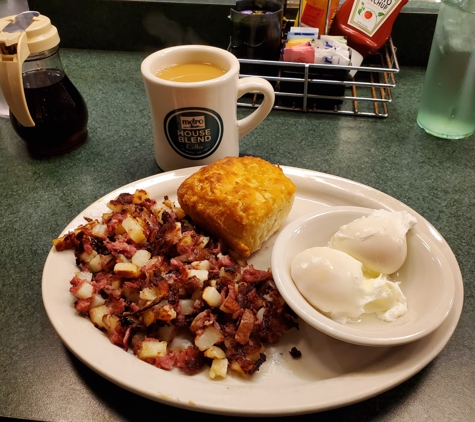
point(378, 241)
point(350, 277)
point(336, 284)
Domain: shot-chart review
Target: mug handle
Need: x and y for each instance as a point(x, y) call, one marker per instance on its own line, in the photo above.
point(249, 85)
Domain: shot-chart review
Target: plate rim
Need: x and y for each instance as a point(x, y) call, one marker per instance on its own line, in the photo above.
point(328, 183)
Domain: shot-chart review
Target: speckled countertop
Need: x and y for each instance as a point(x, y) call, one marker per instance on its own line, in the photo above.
point(41, 380)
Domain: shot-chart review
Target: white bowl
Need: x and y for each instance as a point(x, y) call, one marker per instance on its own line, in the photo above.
point(426, 281)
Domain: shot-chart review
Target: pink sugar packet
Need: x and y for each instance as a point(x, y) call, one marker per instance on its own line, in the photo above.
point(301, 53)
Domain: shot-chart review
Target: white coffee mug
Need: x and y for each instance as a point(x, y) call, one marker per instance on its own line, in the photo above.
point(195, 123)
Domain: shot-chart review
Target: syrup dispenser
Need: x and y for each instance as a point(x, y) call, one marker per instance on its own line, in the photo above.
point(46, 109)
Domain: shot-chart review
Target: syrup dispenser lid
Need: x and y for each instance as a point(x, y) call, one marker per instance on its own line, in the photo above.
point(40, 34)
point(21, 35)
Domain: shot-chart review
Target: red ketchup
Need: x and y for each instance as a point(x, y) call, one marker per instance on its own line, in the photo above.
point(366, 23)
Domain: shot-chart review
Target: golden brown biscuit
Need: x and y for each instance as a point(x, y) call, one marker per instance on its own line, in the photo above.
point(241, 200)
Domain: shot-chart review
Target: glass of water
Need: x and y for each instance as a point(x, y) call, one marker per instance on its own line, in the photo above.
point(447, 108)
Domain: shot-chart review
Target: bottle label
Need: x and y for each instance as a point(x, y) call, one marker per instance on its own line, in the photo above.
point(312, 15)
point(369, 15)
point(194, 132)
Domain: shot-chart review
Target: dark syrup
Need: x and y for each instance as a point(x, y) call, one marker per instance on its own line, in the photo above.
point(58, 110)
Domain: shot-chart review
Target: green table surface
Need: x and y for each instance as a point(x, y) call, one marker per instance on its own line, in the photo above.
point(41, 380)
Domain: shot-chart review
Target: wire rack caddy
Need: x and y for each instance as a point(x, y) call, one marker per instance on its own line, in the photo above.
point(324, 88)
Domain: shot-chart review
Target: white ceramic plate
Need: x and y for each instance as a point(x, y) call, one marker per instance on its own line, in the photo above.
point(425, 279)
point(329, 374)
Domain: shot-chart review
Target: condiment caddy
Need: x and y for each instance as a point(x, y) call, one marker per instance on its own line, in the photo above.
point(324, 88)
point(304, 83)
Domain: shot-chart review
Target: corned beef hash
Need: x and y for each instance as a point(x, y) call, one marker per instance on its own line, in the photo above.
point(160, 286)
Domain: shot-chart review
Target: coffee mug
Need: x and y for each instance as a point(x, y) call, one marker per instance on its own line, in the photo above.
point(195, 123)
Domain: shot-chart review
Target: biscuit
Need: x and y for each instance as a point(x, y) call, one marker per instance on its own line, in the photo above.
point(240, 200)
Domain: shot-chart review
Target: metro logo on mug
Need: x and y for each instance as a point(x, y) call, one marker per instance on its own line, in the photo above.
point(197, 122)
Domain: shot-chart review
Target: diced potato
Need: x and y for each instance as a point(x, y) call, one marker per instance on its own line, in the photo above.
point(116, 207)
point(134, 230)
point(212, 297)
point(215, 352)
point(84, 291)
point(141, 257)
point(152, 349)
point(201, 275)
point(219, 368)
point(167, 333)
point(180, 214)
point(203, 241)
point(256, 355)
point(119, 229)
point(158, 210)
point(97, 300)
point(236, 277)
point(230, 305)
point(187, 306)
point(131, 293)
point(95, 264)
point(84, 275)
point(139, 196)
point(151, 293)
point(69, 240)
point(126, 269)
point(260, 314)
point(186, 240)
point(174, 235)
point(100, 263)
point(96, 314)
point(180, 343)
point(166, 313)
point(148, 294)
point(99, 230)
point(86, 257)
point(201, 265)
point(236, 367)
point(106, 216)
point(209, 338)
point(159, 312)
point(148, 317)
point(116, 282)
point(122, 258)
point(64, 243)
point(110, 322)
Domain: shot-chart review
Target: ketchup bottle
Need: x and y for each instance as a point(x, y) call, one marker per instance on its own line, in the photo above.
point(366, 23)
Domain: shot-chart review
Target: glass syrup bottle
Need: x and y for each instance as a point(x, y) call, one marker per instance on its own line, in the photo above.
point(48, 112)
